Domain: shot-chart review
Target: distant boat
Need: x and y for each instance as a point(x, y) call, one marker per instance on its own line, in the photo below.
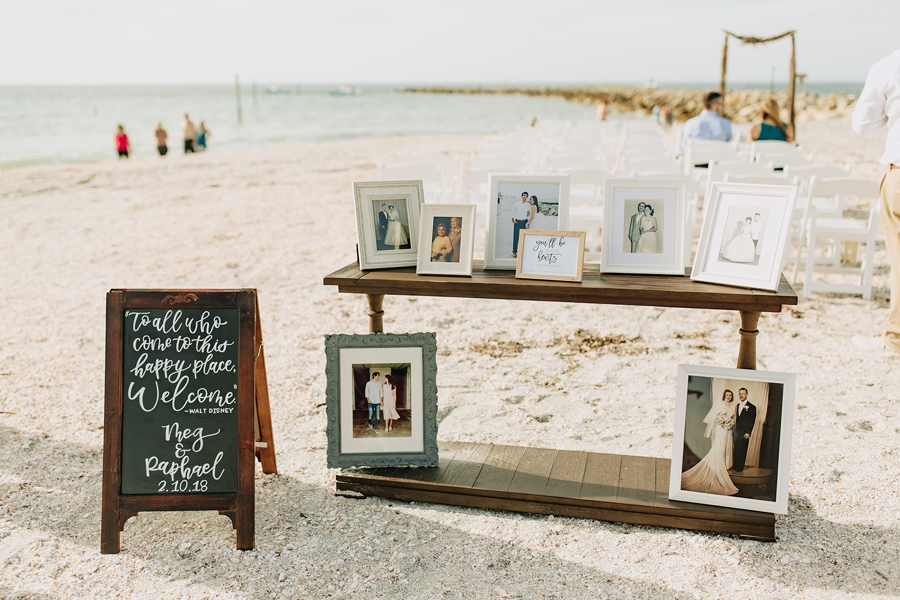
point(274, 89)
point(346, 90)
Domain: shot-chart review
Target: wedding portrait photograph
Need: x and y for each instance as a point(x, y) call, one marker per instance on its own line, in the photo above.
point(447, 239)
point(381, 400)
point(732, 438)
point(744, 235)
point(643, 227)
point(521, 202)
point(387, 220)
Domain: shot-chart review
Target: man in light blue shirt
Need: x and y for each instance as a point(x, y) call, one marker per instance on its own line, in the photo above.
point(709, 124)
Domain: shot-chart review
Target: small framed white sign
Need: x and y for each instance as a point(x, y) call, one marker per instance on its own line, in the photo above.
point(550, 255)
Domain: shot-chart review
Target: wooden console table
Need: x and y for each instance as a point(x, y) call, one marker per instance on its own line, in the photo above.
point(627, 489)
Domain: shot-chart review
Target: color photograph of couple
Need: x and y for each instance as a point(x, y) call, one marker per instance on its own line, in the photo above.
point(732, 437)
point(523, 206)
point(391, 224)
point(644, 229)
point(744, 242)
point(446, 236)
point(381, 406)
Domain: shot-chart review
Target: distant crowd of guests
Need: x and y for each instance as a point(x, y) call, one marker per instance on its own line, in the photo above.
point(194, 138)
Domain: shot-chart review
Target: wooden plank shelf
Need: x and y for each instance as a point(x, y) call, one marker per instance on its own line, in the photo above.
point(596, 288)
point(565, 483)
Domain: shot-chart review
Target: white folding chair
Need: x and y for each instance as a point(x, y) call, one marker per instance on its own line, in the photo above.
point(765, 179)
point(780, 161)
point(803, 173)
point(815, 231)
point(661, 165)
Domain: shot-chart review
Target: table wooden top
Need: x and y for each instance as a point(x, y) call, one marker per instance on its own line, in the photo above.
point(596, 288)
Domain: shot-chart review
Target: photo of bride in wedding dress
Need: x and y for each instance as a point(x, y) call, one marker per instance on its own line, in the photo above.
point(711, 473)
point(742, 244)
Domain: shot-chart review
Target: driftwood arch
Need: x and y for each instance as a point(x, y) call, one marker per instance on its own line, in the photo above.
point(792, 77)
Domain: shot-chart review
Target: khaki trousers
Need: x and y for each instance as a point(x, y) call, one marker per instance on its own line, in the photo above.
point(889, 214)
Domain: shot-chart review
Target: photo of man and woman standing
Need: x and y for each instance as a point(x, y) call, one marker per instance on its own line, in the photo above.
point(446, 237)
point(381, 405)
point(644, 229)
point(522, 206)
point(742, 242)
point(391, 224)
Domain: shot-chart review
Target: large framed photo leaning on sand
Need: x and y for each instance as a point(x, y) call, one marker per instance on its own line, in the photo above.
point(381, 400)
point(744, 234)
point(446, 239)
point(517, 202)
point(387, 222)
point(550, 255)
point(643, 227)
point(732, 442)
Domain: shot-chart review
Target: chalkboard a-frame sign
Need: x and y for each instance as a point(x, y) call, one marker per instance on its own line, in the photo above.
point(187, 407)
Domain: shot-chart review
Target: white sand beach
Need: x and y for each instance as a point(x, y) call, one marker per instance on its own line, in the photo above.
point(597, 378)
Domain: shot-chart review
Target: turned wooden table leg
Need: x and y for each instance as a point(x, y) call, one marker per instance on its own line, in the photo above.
point(749, 331)
point(376, 314)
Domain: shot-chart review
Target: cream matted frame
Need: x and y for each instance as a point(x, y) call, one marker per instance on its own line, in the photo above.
point(781, 474)
point(491, 261)
point(430, 212)
point(528, 265)
point(777, 202)
point(367, 192)
point(668, 196)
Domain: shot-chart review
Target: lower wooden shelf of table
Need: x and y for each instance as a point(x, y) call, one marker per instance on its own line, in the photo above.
point(566, 483)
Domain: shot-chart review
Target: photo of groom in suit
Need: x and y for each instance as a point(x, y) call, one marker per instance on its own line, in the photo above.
point(381, 230)
point(634, 227)
point(745, 419)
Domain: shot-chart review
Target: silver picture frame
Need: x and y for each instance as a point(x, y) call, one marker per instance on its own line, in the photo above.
point(401, 203)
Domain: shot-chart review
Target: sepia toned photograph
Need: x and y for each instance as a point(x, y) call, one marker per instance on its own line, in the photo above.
point(447, 239)
point(733, 437)
point(644, 229)
point(519, 203)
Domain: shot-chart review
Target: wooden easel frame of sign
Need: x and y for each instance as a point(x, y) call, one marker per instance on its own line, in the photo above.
point(126, 470)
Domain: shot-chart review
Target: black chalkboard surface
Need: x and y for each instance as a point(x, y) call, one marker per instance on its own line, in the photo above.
point(187, 407)
point(179, 421)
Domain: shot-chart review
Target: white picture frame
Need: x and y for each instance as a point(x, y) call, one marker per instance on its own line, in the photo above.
point(505, 187)
point(724, 254)
point(700, 404)
point(435, 261)
point(550, 255)
point(401, 202)
point(656, 252)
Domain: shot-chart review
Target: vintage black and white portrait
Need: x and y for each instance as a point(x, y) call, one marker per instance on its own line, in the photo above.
point(734, 436)
point(643, 226)
point(745, 231)
point(387, 223)
point(646, 226)
point(745, 242)
point(381, 400)
point(447, 239)
point(519, 203)
point(391, 224)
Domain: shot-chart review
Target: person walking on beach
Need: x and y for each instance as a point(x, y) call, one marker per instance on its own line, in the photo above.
point(202, 134)
point(879, 106)
point(161, 137)
point(520, 212)
point(634, 228)
point(709, 124)
point(188, 133)
point(373, 397)
point(122, 143)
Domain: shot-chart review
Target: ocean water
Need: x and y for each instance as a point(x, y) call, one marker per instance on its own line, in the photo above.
point(70, 124)
point(67, 124)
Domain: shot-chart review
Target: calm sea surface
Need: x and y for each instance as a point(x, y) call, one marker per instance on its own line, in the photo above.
point(68, 124)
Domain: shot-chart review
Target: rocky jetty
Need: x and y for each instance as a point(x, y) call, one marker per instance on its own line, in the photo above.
point(740, 106)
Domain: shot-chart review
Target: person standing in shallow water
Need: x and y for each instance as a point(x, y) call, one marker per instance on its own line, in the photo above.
point(122, 143)
point(188, 133)
point(161, 137)
point(202, 134)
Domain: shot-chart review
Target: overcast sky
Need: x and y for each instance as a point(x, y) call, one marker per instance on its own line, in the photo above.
point(337, 41)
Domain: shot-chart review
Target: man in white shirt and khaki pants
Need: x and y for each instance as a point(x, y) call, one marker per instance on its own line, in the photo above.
point(879, 106)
